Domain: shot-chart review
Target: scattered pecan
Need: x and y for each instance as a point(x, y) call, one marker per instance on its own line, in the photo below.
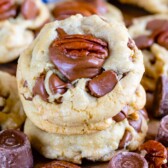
point(7, 9)
point(59, 164)
point(156, 153)
point(78, 56)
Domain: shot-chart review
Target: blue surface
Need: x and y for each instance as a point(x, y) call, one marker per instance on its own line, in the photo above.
point(49, 1)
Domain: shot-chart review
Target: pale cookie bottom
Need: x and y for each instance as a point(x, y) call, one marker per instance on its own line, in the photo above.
point(154, 6)
point(11, 113)
point(99, 146)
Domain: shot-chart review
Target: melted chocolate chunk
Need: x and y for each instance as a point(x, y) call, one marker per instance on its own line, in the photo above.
point(15, 150)
point(121, 115)
point(39, 88)
point(78, 56)
point(103, 83)
point(160, 103)
point(162, 135)
point(143, 41)
point(56, 85)
point(124, 142)
point(66, 9)
point(157, 24)
point(29, 9)
point(7, 9)
point(136, 124)
point(144, 113)
point(163, 39)
point(128, 160)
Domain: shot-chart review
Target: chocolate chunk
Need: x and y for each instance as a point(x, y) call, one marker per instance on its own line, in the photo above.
point(15, 150)
point(39, 88)
point(163, 39)
point(162, 135)
point(124, 142)
point(160, 103)
point(131, 44)
point(78, 56)
point(128, 160)
point(56, 85)
point(121, 115)
point(157, 24)
point(136, 124)
point(29, 9)
point(143, 41)
point(103, 83)
point(144, 113)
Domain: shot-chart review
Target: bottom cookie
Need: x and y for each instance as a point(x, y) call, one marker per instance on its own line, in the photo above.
point(99, 146)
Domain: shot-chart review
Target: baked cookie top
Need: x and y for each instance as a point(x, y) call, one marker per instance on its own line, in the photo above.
point(12, 115)
point(80, 70)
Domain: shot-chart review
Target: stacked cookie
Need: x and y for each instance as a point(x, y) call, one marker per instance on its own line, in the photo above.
point(80, 87)
point(150, 35)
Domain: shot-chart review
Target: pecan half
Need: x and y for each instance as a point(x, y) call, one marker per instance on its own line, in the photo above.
point(7, 9)
point(59, 164)
point(78, 56)
point(29, 9)
point(156, 153)
point(67, 9)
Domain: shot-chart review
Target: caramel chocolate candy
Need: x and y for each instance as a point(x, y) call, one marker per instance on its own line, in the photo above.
point(7, 9)
point(143, 42)
point(78, 56)
point(160, 103)
point(136, 124)
point(59, 164)
point(128, 160)
point(15, 150)
point(66, 9)
point(162, 135)
point(39, 88)
point(121, 115)
point(56, 85)
point(29, 9)
point(103, 83)
point(124, 142)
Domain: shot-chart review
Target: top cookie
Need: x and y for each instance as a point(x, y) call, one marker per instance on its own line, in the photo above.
point(154, 6)
point(78, 71)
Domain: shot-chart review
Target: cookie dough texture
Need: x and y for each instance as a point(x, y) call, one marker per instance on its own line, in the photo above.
point(78, 107)
point(98, 146)
point(155, 59)
point(11, 113)
point(154, 6)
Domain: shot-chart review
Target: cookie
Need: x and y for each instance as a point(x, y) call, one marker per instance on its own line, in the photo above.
point(149, 34)
point(153, 6)
point(11, 111)
point(66, 8)
point(100, 146)
point(17, 19)
point(65, 91)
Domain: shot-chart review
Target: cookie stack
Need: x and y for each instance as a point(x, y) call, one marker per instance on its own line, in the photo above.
point(79, 83)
